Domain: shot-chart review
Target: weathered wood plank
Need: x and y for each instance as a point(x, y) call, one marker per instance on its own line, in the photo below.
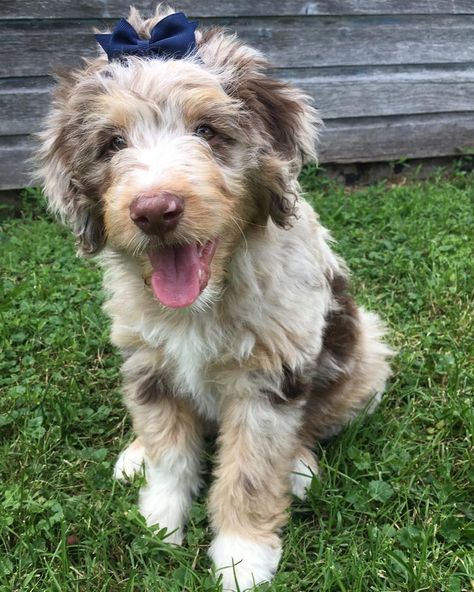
point(34, 48)
point(351, 140)
point(369, 92)
point(23, 104)
point(60, 9)
point(14, 169)
point(338, 93)
point(417, 136)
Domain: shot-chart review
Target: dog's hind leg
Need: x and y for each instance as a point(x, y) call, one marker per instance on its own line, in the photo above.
point(357, 389)
point(305, 467)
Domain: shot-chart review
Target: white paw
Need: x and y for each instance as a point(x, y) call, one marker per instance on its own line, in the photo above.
point(164, 509)
point(130, 461)
point(300, 479)
point(166, 498)
point(243, 561)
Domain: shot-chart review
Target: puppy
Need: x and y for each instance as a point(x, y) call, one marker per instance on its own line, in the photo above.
point(175, 158)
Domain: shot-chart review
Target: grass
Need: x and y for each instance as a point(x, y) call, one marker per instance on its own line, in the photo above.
point(394, 510)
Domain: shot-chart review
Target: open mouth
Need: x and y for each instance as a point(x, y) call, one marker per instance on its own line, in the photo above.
point(181, 272)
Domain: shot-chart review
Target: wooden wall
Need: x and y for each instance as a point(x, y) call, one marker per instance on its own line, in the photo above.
point(392, 78)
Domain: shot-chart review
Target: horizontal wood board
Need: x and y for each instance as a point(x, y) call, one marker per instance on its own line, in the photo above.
point(59, 9)
point(35, 48)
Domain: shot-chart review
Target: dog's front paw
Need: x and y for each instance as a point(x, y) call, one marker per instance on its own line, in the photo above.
point(130, 461)
point(166, 506)
point(243, 561)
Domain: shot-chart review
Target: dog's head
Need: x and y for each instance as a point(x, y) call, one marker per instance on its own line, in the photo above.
point(170, 161)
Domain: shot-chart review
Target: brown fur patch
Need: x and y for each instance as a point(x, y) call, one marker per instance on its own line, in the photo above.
point(294, 387)
point(341, 330)
point(263, 359)
point(281, 111)
point(150, 389)
point(328, 401)
point(337, 377)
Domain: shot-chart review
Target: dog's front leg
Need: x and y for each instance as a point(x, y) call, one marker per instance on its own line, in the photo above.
point(248, 501)
point(170, 441)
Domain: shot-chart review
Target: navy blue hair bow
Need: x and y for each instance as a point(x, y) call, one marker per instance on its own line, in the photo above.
point(172, 37)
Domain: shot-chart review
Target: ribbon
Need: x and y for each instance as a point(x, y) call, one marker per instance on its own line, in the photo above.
point(172, 37)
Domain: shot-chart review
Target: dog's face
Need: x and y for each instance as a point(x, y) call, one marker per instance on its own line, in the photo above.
point(170, 161)
point(175, 153)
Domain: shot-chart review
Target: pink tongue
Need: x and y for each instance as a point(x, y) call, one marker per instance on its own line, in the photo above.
point(175, 278)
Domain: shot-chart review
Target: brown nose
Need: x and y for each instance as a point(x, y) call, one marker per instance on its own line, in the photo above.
point(157, 213)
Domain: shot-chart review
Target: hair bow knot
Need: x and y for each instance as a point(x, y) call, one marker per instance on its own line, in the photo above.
point(172, 37)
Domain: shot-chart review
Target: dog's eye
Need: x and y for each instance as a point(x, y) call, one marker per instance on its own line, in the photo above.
point(205, 132)
point(118, 143)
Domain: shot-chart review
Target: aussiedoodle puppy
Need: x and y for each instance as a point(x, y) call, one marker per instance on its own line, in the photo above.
point(175, 158)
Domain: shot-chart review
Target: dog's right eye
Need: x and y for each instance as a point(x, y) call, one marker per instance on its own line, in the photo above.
point(205, 132)
point(118, 143)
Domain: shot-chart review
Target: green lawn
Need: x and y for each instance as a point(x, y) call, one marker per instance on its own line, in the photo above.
point(394, 509)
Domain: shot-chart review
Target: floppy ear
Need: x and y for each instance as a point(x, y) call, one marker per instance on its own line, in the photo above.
point(284, 124)
point(286, 114)
point(57, 158)
point(290, 126)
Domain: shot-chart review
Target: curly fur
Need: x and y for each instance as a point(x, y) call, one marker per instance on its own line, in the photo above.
point(274, 352)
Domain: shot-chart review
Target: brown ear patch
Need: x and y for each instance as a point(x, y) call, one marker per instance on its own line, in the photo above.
point(287, 125)
point(277, 189)
point(279, 110)
point(88, 227)
point(70, 167)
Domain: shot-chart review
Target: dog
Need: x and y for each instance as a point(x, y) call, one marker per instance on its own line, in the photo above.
point(175, 158)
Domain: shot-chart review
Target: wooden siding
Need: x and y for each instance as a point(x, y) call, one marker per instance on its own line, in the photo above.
point(392, 79)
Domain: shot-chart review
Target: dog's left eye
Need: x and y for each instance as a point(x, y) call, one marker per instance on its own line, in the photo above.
point(118, 143)
point(205, 132)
